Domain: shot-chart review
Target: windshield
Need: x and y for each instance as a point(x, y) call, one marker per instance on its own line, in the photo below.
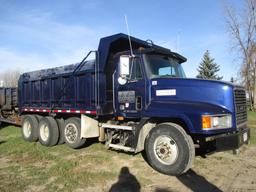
point(162, 66)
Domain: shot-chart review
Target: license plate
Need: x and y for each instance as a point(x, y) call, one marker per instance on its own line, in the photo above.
point(245, 137)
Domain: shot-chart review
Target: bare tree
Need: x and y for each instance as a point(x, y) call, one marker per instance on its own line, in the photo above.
point(10, 78)
point(242, 28)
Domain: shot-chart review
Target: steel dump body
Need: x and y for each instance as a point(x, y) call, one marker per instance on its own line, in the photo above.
point(8, 98)
point(58, 88)
point(9, 105)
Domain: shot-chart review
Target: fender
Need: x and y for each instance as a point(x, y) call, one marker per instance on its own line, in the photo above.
point(142, 131)
point(89, 127)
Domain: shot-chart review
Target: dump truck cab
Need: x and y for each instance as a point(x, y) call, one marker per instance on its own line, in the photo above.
point(136, 75)
point(152, 83)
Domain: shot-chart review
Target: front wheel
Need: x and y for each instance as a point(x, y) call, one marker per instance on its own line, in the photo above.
point(169, 149)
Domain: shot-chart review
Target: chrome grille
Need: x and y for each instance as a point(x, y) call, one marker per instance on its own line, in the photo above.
point(240, 103)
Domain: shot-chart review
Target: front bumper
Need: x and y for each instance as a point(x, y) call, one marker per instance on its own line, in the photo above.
point(232, 140)
point(224, 142)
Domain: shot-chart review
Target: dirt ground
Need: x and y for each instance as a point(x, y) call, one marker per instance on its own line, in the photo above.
point(218, 172)
point(31, 167)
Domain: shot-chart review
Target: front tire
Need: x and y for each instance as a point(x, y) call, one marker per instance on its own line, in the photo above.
point(169, 149)
point(72, 133)
point(29, 128)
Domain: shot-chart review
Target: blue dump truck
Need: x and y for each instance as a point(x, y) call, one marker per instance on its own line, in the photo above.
point(133, 100)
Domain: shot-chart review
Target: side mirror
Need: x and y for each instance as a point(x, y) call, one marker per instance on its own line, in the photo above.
point(124, 69)
point(124, 65)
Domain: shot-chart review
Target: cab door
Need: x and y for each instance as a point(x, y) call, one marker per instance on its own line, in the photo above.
point(131, 94)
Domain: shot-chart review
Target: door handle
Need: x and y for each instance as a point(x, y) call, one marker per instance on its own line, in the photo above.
point(138, 103)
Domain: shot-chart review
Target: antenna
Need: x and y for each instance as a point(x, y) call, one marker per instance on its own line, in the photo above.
point(128, 32)
point(178, 42)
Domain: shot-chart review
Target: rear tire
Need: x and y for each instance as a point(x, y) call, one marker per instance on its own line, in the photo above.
point(29, 128)
point(169, 149)
point(61, 124)
point(38, 117)
point(72, 133)
point(48, 131)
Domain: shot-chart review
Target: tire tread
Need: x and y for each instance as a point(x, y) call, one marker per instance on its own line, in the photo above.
point(53, 131)
point(184, 162)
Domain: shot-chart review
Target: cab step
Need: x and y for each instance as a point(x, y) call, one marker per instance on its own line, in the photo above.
point(121, 147)
point(122, 127)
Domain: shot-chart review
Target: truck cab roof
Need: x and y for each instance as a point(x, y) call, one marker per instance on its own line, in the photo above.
point(169, 53)
point(111, 45)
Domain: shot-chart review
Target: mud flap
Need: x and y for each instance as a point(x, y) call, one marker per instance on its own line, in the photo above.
point(89, 127)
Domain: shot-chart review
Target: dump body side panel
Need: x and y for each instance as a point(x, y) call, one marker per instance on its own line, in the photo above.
point(9, 105)
point(8, 98)
point(57, 91)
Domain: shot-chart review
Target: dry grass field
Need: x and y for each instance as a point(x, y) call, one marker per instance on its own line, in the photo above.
point(32, 167)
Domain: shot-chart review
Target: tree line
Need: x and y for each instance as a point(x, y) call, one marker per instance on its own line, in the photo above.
point(241, 25)
point(9, 78)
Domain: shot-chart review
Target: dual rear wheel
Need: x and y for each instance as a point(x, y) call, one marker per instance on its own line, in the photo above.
point(72, 133)
point(50, 131)
point(30, 128)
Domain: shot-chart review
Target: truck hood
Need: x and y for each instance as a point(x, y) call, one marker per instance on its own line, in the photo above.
point(197, 91)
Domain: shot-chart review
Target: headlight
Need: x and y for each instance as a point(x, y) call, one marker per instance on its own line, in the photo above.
point(216, 121)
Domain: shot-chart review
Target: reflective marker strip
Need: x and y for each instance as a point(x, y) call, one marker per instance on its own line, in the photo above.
point(60, 111)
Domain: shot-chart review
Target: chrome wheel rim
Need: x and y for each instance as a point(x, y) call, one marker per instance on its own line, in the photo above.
point(71, 133)
point(166, 150)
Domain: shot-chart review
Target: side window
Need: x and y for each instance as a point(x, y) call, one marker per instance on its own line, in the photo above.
point(170, 71)
point(136, 72)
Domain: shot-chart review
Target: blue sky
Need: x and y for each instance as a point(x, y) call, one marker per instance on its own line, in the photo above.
point(42, 34)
